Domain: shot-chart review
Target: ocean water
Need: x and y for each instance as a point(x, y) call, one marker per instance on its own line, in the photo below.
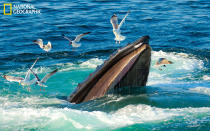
point(176, 98)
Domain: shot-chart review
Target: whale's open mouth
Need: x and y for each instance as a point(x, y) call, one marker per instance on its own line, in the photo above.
point(128, 67)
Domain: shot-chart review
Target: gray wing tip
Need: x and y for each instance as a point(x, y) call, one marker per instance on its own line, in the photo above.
point(63, 35)
point(87, 33)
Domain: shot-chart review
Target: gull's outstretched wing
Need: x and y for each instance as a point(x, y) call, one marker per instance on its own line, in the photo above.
point(33, 81)
point(35, 75)
point(37, 80)
point(12, 78)
point(66, 37)
point(77, 39)
point(39, 42)
point(123, 20)
point(48, 76)
point(114, 21)
point(27, 77)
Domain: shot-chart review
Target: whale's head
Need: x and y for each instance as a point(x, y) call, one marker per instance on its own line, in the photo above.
point(127, 67)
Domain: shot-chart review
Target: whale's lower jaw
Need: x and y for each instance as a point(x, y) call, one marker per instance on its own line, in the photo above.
point(128, 67)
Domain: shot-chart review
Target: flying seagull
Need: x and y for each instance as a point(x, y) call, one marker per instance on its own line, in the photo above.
point(75, 42)
point(163, 62)
point(116, 27)
point(23, 81)
point(46, 47)
point(44, 80)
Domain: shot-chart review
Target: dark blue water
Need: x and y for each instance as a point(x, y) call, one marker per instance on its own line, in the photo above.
point(177, 98)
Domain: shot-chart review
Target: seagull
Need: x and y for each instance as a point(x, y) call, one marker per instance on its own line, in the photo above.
point(23, 81)
point(75, 43)
point(163, 62)
point(116, 27)
point(44, 80)
point(46, 47)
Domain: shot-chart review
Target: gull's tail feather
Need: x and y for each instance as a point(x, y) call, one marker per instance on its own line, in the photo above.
point(76, 45)
point(86, 33)
point(120, 38)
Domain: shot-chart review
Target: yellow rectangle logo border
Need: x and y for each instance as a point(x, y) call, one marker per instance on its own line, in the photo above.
point(6, 4)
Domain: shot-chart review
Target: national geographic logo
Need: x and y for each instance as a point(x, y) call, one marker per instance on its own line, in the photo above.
point(18, 9)
point(7, 9)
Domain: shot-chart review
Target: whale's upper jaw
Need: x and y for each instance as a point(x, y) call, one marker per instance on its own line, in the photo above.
point(119, 68)
point(144, 40)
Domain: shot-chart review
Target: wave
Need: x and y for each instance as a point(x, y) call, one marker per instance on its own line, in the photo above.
point(19, 101)
point(49, 118)
point(32, 114)
point(89, 64)
point(201, 90)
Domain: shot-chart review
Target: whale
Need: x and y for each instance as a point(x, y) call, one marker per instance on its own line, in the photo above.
point(126, 68)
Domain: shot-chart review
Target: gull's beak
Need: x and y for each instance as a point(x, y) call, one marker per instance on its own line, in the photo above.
point(34, 41)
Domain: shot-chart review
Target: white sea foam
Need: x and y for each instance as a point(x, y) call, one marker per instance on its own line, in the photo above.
point(92, 63)
point(206, 77)
point(75, 119)
point(19, 101)
point(89, 64)
point(201, 90)
point(181, 61)
point(182, 68)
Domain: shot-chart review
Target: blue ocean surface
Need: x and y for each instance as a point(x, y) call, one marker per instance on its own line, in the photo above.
point(175, 98)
